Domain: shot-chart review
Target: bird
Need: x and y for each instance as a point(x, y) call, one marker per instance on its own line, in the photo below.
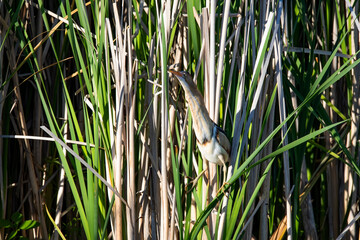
point(212, 141)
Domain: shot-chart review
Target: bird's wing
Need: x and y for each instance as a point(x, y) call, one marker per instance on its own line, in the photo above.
point(222, 139)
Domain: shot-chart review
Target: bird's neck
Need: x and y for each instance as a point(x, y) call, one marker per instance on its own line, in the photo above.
point(203, 125)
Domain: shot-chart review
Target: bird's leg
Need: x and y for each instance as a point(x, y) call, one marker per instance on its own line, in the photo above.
point(194, 181)
point(225, 172)
point(222, 189)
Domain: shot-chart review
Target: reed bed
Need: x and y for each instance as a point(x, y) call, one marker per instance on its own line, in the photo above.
point(96, 137)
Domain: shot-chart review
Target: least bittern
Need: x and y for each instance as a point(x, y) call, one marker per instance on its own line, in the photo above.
point(211, 139)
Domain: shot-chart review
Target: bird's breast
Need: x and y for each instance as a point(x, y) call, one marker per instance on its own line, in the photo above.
point(213, 151)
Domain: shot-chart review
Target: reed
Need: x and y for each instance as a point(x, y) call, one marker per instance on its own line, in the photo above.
point(97, 139)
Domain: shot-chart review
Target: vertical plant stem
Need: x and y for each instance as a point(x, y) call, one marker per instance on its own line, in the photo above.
point(131, 152)
point(266, 187)
point(61, 190)
point(164, 134)
point(212, 57)
point(220, 65)
point(282, 111)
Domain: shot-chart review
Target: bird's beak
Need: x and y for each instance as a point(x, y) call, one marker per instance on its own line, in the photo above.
point(180, 76)
point(176, 73)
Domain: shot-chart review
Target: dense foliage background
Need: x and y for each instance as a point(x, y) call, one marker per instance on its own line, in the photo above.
point(97, 141)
